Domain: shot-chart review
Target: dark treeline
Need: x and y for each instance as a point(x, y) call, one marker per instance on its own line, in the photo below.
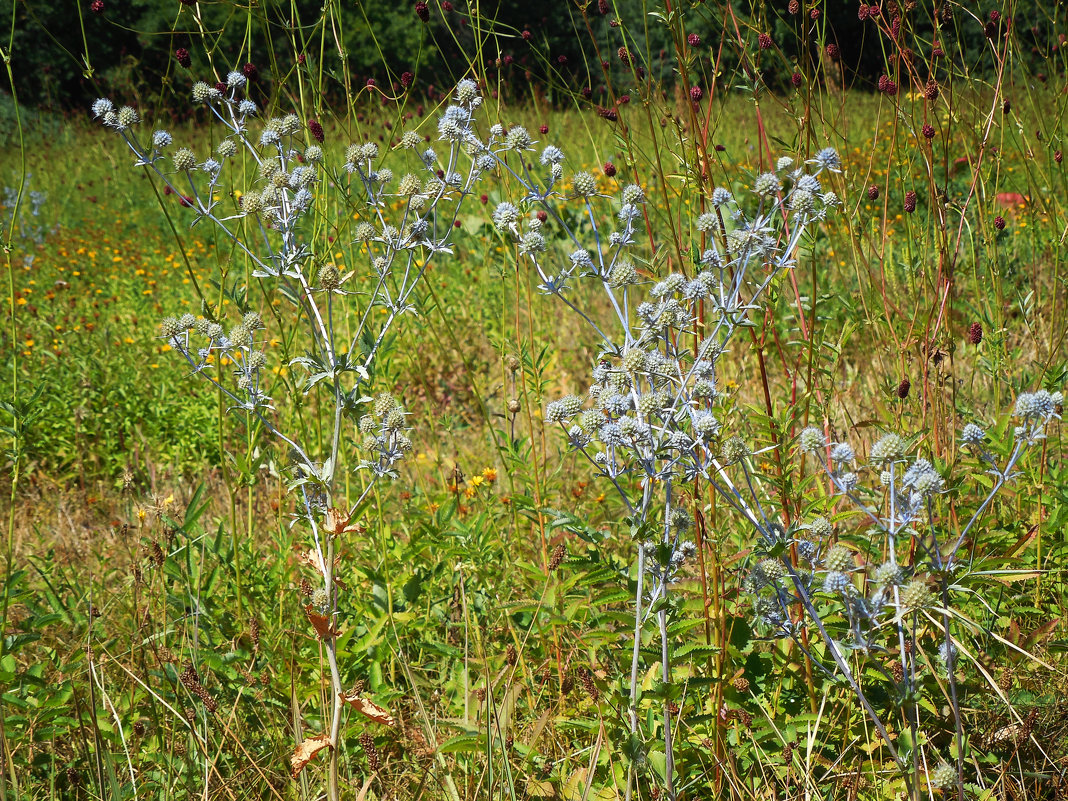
point(66, 54)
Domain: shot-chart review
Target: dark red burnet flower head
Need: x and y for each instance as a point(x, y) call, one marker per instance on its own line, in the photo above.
point(543, 129)
point(406, 79)
point(833, 52)
point(422, 10)
point(446, 6)
point(97, 6)
point(903, 388)
point(797, 79)
point(603, 7)
point(862, 12)
point(542, 216)
point(1057, 156)
point(873, 192)
point(910, 202)
point(527, 35)
point(609, 114)
point(609, 169)
point(930, 90)
point(975, 333)
point(764, 41)
point(251, 72)
point(221, 87)
point(928, 131)
point(483, 199)
point(794, 7)
point(887, 85)
point(999, 223)
point(693, 40)
point(316, 130)
point(181, 55)
point(624, 55)
point(696, 93)
point(301, 58)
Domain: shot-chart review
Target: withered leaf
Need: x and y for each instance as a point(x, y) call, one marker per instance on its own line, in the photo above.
point(323, 626)
point(367, 708)
point(305, 753)
point(315, 562)
point(337, 522)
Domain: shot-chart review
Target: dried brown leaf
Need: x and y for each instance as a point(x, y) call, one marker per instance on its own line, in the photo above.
point(305, 753)
point(315, 562)
point(323, 625)
point(367, 708)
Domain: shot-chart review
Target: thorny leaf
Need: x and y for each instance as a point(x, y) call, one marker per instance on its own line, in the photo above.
point(305, 753)
point(367, 708)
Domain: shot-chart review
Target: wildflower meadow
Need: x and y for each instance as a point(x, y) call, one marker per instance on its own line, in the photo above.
point(599, 401)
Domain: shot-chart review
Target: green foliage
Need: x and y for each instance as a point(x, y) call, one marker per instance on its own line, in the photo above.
point(155, 596)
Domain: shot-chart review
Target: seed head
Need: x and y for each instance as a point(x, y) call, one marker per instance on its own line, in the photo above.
point(169, 328)
point(812, 440)
point(840, 559)
point(767, 184)
point(583, 185)
point(903, 388)
point(559, 552)
point(518, 139)
point(910, 202)
point(772, 569)
point(836, 581)
point(240, 336)
point(127, 117)
point(944, 777)
point(203, 93)
point(916, 595)
point(975, 333)
point(820, 528)
point(329, 277)
point(184, 160)
point(972, 434)
point(888, 449)
point(734, 450)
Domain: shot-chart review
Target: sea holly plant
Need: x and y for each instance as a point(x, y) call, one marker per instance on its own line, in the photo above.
point(279, 226)
point(895, 590)
point(649, 422)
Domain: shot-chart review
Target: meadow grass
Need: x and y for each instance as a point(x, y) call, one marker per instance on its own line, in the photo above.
point(156, 614)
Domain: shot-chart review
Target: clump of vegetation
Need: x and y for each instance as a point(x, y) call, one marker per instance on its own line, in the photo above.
point(650, 414)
